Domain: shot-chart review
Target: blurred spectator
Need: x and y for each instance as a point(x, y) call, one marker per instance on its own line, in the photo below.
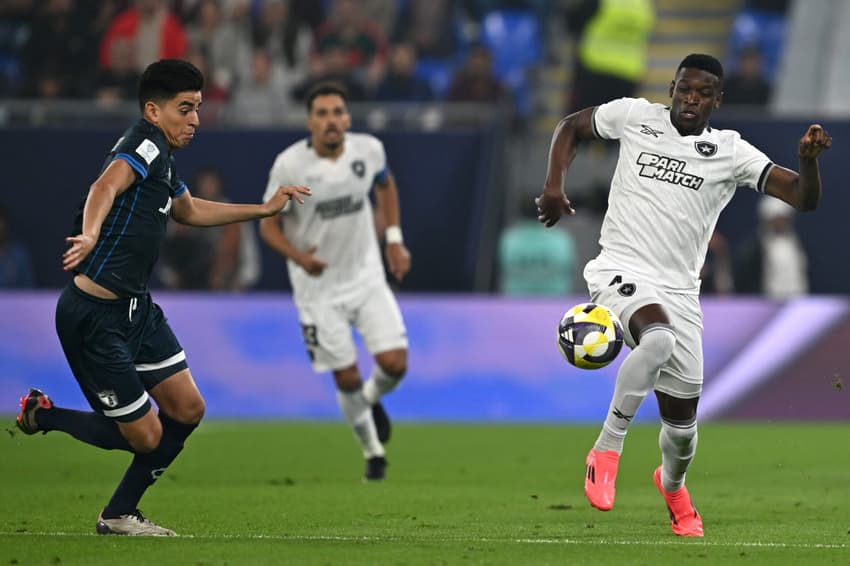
point(305, 17)
point(16, 18)
point(121, 80)
point(747, 84)
point(383, 13)
point(53, 58)
point(773, 262)
point(155, 31)
point(224, 46)
point(533, 259)
point(334, 68)
point(430, 26)
point(214, 95)
point(15, 263)
point(401, 82)
point(716, 273)
point(476, 81)
point(360, 40)
point(268, 28)
point(215, 258)
point(264, 98)
point(612, 50)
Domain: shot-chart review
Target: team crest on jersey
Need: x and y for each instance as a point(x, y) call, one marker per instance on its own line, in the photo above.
point(108, 398)
point(644, 129)
point(627, 289)
point(359, 168)
point(706, 149)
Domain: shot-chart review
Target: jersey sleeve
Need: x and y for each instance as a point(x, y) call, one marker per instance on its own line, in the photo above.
point(609, 119)
point(379, 160)
point(278, 176)
point(751, 165)
point(140, 153)
point(177, 186)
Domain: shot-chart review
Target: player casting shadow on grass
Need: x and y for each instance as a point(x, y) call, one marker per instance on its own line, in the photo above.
point(674, 176)
point(334, 262)
point(116, 339)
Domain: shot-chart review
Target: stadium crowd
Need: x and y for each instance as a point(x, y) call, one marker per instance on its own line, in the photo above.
point(259, 55)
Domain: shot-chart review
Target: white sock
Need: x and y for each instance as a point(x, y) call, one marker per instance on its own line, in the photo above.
point(379, 384)
point(678, 443)
point(358, 414)
point(635, 379)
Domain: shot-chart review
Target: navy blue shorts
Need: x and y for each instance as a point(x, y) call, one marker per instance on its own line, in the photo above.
point(118, 349)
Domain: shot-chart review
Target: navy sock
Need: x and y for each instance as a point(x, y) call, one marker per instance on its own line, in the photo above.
point(89, 427)
point(146, 468)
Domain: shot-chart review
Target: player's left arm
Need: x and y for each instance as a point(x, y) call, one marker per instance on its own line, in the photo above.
point(187, 209)
point(387, 204)
point(801, 190)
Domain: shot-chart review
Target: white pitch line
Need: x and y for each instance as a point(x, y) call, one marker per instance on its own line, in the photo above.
point(384, 539)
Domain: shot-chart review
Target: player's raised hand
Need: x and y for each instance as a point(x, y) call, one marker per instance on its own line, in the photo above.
point(310, 263)
point(550, 207)
point(282, 196)
point(814, 141)
point(398, 260)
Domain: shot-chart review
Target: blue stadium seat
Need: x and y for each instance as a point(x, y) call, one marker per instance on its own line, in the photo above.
point(763, 29)
point(438, 73)
point(514, 37)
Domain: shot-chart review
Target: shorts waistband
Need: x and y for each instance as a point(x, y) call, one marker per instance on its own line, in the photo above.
point(120, 301)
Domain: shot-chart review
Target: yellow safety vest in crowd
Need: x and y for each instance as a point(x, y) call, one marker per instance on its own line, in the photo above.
point(616, 39)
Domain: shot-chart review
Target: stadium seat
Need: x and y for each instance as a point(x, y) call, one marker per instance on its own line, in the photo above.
point(514, 37)
point(761, 28)
point(438, 73)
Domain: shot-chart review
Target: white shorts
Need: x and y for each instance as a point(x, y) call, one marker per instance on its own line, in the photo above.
point(624, 294)
point(327, 327)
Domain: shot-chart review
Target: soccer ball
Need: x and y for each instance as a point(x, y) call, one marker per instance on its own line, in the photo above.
point(590, 336)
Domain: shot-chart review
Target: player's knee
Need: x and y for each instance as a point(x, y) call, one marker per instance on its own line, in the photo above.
point(678, 435)
point(659, 343)
point(145, 440)
point(191, 411)
point(348, 379)
point(394, 364)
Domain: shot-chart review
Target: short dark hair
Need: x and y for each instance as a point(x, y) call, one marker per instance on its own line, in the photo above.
point(166, 78)
point(325, 88)
point(702, 61)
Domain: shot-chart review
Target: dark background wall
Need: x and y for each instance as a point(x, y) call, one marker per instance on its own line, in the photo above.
point(447, 180)
point(443, 178)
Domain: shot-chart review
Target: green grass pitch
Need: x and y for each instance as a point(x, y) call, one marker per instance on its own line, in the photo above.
point(290, 493)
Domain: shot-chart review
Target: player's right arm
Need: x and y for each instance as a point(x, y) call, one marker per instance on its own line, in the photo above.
point(272, 234)
point(569, 132)
point(114, 180)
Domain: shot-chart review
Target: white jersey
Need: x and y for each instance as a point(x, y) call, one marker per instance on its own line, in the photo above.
point(336, 219)
point(668, 191)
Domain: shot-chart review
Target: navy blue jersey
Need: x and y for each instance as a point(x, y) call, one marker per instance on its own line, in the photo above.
point(132, 232)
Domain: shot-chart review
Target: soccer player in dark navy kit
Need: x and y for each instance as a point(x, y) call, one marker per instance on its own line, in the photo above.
point(116, 339)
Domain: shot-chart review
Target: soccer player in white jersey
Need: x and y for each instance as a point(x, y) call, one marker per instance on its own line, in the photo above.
point(334, 262)
point(674, 176)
